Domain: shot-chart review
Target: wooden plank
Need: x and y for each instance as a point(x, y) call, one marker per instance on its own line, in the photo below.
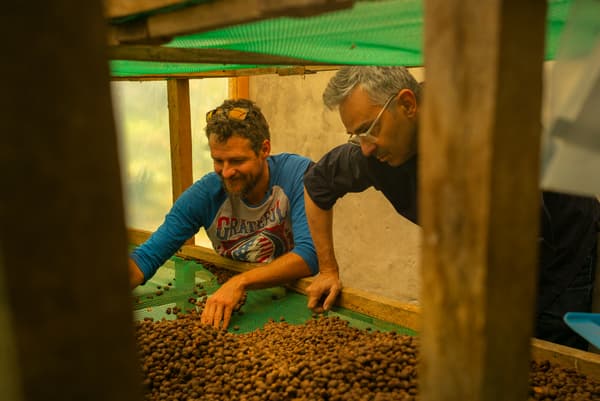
point(284, 71)
point(137, 237)
point(10, 375)
point(479, 198)
point(180, 130)
point(389, 310)
point(120, 8)
point(210, 256)
point(584, 362)
point(217, 14)
point(203, 56)
point(239, 88)
point(70, 301)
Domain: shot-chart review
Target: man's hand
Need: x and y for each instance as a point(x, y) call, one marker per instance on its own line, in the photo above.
point(136, 277)
point(324, 284)
point(219, 306)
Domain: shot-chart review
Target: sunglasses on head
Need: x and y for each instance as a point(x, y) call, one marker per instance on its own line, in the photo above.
point(237, 113)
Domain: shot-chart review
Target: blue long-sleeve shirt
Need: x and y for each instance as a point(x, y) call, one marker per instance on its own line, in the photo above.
point(238, 231)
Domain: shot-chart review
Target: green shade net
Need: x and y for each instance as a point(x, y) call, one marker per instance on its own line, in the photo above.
point(370, 33)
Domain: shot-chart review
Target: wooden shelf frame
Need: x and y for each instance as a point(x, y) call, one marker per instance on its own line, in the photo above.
point(387, 309)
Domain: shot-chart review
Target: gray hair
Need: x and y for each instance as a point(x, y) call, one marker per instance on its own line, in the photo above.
point(379, 82)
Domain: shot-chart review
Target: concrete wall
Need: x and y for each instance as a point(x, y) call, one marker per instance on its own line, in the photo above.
point(378, 250)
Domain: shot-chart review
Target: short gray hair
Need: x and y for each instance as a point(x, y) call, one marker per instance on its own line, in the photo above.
point(379, 82)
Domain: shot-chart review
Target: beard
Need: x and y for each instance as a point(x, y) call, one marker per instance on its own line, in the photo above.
point(241, 185)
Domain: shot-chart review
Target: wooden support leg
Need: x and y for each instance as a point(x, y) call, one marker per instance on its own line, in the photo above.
point(479, 196)
point(69, 305)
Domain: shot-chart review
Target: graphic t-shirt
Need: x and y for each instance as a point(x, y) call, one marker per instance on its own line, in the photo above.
point(238, 231)
point(253, 234)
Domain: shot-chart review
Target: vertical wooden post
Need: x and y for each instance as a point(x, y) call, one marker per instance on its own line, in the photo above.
point(479, 197)
point(180, 128)
point(70, 305)
point(239, 88)
point(10, 376)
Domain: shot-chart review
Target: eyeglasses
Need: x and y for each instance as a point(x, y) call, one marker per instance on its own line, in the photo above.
point(367, 136)
point(237, 113)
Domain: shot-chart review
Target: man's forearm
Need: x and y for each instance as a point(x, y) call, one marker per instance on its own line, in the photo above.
point(136, 277)
point(286, 268)
point(320, 223)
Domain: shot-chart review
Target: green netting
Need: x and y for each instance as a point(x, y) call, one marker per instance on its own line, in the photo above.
point(123, 68)
point(260, 306)
point(371, 33)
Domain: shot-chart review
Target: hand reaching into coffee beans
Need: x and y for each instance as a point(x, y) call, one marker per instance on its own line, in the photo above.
point(323, 291)
point(220, 305)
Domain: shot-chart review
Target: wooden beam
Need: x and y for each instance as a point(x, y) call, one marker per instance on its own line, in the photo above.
point(202, 56)
point(479, 197)
point(239, 88)
point(10, 375)
point(584, 362)
point(180, 130)
point(386, 309)
point(73, 324)
point(120, 8)
point(217, 14)
point(282, 71)
point(137, 237)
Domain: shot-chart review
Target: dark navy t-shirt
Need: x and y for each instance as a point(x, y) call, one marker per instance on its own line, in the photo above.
point(568, 229)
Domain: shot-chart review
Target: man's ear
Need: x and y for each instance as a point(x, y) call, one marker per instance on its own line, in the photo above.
point(408, 101)
point(265, 149)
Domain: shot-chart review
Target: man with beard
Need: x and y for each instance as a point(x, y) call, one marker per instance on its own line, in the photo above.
point(252, 208)
point(379, 106)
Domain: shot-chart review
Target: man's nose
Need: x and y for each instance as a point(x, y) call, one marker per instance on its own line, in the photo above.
point(368, 148)
point(228, 171)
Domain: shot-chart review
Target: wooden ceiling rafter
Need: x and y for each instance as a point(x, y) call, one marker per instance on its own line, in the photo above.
point(203, 56)
point(162, 27)
point(282, 71)
point(119, 8)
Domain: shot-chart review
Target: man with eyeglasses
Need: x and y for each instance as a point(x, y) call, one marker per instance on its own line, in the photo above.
point(379, 106)
point(252, 207)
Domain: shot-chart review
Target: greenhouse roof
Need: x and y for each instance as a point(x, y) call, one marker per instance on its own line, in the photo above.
point(387, 32)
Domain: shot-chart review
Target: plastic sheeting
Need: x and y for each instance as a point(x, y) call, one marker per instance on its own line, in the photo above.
point(571, 152)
